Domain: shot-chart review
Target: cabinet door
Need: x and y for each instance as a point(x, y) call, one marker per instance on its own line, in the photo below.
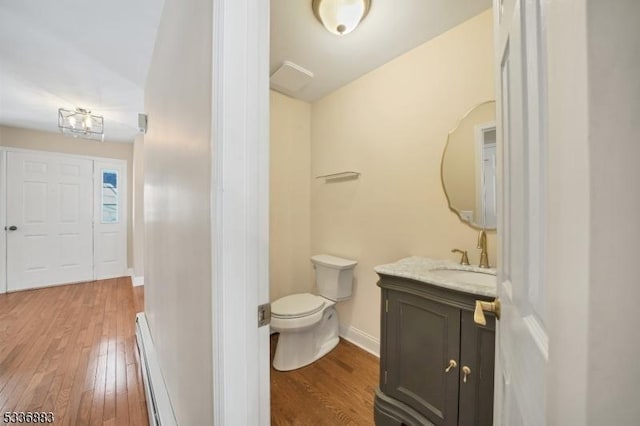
point(422, 337)
point(476, 353)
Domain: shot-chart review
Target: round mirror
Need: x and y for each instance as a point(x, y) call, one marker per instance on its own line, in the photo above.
point(468, 167)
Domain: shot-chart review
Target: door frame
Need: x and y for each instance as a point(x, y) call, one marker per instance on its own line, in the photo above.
point(3, 196)
point(240, 211)
point(479, 132)
point(3, 220)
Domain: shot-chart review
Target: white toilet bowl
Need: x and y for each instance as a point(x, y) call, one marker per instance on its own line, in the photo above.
point(308, 327)
point(308, 324)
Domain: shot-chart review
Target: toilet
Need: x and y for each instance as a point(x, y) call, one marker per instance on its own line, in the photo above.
point(308, 323)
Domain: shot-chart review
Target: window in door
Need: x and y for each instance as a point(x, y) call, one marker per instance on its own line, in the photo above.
point(109, 205)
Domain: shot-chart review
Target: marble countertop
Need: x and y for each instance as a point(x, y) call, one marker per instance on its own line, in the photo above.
point(426, 270)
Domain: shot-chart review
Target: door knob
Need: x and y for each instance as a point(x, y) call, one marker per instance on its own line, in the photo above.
point(467, 372)
point(11, 228)
point(481, 306)
point(452, 364)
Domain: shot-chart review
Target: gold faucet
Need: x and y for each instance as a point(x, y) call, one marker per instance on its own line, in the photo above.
point(465, 259)
point(482, 245)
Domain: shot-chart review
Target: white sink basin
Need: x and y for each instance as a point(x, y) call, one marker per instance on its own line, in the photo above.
point(466, 277)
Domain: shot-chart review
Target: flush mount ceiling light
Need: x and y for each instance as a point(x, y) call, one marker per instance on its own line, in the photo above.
point(340, 16)
point(81, 124)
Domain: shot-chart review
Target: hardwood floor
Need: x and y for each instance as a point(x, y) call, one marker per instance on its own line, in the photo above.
point(336, 390)
point(71, 350)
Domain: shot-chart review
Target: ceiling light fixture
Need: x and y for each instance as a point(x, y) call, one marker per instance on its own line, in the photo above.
point(340, 16)
point(80, 123)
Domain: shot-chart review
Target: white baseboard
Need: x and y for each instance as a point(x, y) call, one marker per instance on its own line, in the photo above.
point(158, 403)
point(135, 281)
point(361, 339)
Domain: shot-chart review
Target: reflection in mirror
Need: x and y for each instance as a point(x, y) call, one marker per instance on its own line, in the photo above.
point(469, 167)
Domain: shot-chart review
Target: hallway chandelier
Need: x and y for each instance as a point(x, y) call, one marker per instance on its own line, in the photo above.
point(340, 17)
point(80, 123)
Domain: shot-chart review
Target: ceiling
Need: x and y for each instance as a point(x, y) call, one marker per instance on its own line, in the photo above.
point(95, 54)
point(392, 28)
point(92, 54)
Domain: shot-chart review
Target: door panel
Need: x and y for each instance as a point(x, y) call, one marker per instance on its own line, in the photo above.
point(49, 200)
point(110, 229)
point(521, 352)
point(425, 336)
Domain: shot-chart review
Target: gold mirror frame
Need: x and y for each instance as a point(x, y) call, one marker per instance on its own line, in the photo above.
point(444, 189)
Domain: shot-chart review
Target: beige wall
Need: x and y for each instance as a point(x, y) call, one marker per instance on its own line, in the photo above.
point(56, 142)
point(290, 196)
point(391, 125)
point(177, 195)
point(138, 206)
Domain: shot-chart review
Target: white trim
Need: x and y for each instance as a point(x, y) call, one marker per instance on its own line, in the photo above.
point(240, 191)
point(538, 334)
point(159, 406)
point(135, 280)
point(3, 221)
point(361, 339)
point(63, 154)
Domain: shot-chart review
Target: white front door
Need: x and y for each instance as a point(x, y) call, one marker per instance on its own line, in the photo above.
point(522, 343)
point(49, 215)
point(110, 221)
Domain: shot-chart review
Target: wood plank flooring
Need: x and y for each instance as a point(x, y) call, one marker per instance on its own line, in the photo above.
point(71, 350)
point(336, 390)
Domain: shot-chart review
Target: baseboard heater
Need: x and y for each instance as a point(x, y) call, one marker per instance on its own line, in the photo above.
point(158, 403)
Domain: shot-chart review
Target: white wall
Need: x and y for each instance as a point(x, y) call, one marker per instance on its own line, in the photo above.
point(392, 125)
point(594, 199)
point(177, 194)
point(138, 208)
point(290, 196)
point(568, 213)
point(613, 367)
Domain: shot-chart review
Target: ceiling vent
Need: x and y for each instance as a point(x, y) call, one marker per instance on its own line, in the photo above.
point(291, 77)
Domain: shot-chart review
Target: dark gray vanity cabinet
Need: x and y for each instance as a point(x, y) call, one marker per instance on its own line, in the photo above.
point(423, 329)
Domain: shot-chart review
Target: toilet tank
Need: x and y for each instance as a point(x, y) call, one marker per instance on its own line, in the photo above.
point(334, 276)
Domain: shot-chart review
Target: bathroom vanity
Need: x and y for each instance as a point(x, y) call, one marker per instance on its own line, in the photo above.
point(436, 363)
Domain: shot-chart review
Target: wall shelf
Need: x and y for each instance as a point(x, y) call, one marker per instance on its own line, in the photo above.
point(340, 175)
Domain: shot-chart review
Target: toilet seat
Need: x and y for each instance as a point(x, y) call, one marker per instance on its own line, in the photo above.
point(297, 306)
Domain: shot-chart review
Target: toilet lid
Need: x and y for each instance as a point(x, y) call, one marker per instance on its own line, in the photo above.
point(297, 305)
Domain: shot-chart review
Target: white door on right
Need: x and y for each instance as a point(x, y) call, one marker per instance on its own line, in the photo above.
point(522, 343)
point(110, 220)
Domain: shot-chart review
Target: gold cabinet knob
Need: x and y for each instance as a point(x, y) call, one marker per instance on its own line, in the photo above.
point(467, 372)
point(482, 306)
point(452, 364)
